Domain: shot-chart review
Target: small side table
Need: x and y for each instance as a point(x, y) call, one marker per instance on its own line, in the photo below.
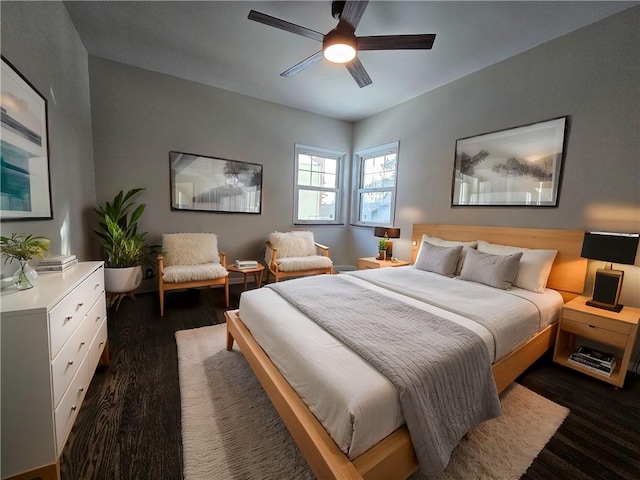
point(371, 262)
point(257, 274)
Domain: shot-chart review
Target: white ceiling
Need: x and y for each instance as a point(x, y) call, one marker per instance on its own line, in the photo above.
point(215, 44)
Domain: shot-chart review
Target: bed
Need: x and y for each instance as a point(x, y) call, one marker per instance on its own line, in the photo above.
point(392, 456)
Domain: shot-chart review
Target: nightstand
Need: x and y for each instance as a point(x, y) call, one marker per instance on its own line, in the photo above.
point(371, 262)
point(613, 332)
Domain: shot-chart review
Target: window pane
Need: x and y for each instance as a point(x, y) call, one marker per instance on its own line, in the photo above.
point(375, 207)
point(379, 171)
point(314, 205)
point(317, 171)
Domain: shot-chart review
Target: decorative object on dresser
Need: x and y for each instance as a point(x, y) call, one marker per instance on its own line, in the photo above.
point(614, 333)
point(210, 184)
point(26, 186)
point(23, 247)
point(520, 166)
point(295, 254)
point(385, 233)
point(612, 248)
point(53, 336)
point(191, 260)
point(126, 249)
point(59, 263)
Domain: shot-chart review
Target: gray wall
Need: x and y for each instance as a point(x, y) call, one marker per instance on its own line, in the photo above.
point(592, 75)
point(41, 42)
point(139, 116)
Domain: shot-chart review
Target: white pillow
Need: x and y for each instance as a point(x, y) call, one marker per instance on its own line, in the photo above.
point(293, 244)
point(448, 243)
point(535, 265)
point(190, 248)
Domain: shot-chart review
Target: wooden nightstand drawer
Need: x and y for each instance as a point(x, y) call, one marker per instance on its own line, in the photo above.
point(600, 334)
point(596, 321)
point(365, 264)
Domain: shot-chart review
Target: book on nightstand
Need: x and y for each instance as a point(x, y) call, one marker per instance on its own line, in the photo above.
point(57, 261)
point(604, 358)
point(592, 365)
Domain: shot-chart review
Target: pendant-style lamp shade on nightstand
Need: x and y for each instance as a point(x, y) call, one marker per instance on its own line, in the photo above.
point(387, 233)
point(613, 248)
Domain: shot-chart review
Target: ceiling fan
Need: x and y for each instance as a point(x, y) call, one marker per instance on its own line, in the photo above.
point(341, 44)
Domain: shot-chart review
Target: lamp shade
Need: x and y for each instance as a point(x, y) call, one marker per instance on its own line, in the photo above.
point(610, 247)
point(390, 231)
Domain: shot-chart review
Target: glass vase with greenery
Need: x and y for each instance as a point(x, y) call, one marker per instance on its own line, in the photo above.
point(23, 247)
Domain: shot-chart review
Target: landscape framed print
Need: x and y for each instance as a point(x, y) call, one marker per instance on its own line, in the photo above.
point(519, 166)
point(210, 184)
point(25, 186)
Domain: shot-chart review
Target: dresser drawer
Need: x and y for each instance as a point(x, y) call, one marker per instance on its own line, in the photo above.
point(97, 346)
point(68, 360)
point(66, 316)
point(596, 333)
point(66, 412)
point(597, 321)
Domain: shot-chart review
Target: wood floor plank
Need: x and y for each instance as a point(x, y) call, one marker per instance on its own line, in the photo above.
point(129, 426)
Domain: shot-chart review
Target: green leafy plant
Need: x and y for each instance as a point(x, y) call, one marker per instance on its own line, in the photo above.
point(382, 244)
point(124, 246)
point(23, 247)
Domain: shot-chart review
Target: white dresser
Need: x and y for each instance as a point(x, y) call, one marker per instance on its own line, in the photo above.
point(52, 337)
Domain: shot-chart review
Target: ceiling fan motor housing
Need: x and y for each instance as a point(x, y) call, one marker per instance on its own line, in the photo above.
point(336, 9)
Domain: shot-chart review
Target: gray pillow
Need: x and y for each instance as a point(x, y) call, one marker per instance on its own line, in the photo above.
point(497, 271)
point(442, 260)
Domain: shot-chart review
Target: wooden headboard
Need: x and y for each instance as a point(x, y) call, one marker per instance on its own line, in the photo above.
point(568, 271)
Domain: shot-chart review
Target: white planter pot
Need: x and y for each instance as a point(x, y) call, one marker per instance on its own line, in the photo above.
point(122, 280)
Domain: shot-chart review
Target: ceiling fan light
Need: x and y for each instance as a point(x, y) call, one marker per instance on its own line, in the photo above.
point(338, 47)
point(339, 53)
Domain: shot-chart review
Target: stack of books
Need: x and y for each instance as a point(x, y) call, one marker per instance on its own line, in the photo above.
point(56, 264)
point(594, 360)
point(246, 263)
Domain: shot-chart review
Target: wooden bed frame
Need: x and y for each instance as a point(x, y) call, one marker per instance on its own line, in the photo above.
point(394, 457)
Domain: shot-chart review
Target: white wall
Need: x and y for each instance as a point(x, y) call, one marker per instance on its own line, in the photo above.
point(139, 116)
point(39, 39)
point(592, 75)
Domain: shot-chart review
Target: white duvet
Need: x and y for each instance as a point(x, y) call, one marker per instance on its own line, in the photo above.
point(354, 402)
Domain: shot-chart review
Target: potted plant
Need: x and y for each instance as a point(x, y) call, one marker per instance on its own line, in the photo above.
point(382, 249)
point(126, 249)
point(23, 247)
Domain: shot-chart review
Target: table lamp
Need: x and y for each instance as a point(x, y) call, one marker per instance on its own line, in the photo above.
point(612, 248)
point(387, 233)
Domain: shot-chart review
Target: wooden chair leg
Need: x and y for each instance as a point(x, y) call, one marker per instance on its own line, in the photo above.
point(161, 293)
point(226, 293)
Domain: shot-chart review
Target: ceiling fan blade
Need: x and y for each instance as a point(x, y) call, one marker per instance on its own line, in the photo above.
point(396, 42)
point(351, 15)
point(284, 25)
point(307, 62)
point(359, 74)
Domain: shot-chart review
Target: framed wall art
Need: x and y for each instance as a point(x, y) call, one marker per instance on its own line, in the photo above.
point(519, 166)
point(210, 184)
point(25, 187)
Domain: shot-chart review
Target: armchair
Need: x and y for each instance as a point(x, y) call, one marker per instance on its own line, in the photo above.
point(191, 260)
point(296, 254)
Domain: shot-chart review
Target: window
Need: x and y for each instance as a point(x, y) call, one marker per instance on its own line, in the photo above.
point(317, 186)
point(375, 194)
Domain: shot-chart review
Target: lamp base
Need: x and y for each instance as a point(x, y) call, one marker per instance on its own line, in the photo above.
point(605, 306)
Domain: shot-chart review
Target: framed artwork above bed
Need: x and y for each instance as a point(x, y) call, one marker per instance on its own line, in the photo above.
point(519, 166)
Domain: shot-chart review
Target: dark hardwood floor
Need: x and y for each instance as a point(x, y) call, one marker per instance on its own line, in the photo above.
point(129, 424)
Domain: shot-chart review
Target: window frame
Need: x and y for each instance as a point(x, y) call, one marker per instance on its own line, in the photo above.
point(340, 157)
point(358, 172)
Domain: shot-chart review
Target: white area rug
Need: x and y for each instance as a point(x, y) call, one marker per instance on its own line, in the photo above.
point(231, 431)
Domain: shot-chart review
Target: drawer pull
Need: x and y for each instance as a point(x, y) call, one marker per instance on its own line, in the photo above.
point(74, 407)
point(82, 344)
point(101, 343)
point(592, 326)
point(70, 362)
point(82, 389)
point(80, 304)
point(68, 318)
point(97, 285)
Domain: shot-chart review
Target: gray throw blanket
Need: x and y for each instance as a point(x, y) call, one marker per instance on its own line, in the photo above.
point(441, 370)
